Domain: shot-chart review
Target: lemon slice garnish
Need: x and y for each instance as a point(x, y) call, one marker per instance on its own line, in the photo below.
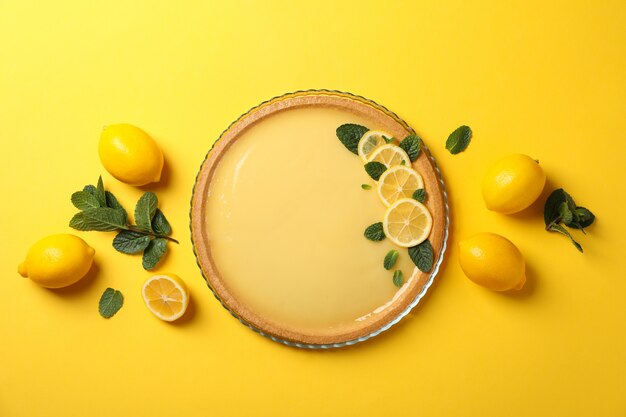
point(166, 296)
point(407, 222)
point(398, 182)
point(371, 140)
point(390, 155)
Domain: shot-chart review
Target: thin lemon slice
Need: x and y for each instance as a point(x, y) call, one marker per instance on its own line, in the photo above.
point(407, 222)
point(398, 182)
point(371, 140)
point(166, 296)
point(390, 155)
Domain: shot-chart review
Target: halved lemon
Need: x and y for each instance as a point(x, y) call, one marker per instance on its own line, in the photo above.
point(371, 140)
point(407, 222)
point(390, 155)
point(166, 296)
point(398, 182)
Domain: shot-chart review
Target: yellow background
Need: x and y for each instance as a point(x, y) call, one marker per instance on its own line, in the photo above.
point(542, 78)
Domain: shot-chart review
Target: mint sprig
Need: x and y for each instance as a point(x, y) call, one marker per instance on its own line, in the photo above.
point(561, 208)
point(101, 211)
point(110, 303)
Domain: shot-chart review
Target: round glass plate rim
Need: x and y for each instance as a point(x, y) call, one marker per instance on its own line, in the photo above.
point(432, 275)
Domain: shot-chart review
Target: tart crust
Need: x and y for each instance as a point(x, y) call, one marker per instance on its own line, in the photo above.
point(382, 119)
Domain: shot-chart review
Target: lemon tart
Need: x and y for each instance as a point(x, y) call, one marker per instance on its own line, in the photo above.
point(279, 210)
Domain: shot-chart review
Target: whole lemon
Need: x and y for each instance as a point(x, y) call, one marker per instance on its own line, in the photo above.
point(130, 154)
point(513, 183)
point(57, 261)
point(492, 261)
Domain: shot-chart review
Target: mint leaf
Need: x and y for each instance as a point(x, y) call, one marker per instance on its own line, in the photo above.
point(130, 242)
point(388, 140)
point(103, 219)
point(411, 145)
point(100, 193)
point(566, 215)
point(560, 229)
point(398, 278)
point(366, 186)
point(153, 253)
point(375, 169)
point(110, 303)
point(145, 210)
point(83, 200)
point(551, 208)
point(585, 217)
point(160, 223)
point(90, 189)
point(420, 195)
point(350, 135)
point(375, 232)
point(114, 204)
point(422, 256)
point(459, 140)
point(390, 259)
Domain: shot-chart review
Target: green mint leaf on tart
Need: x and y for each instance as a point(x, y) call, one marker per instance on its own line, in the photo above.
point(375, 232)
point(114, 204)
point(422, 256)
point(110, 303)
point(153, 253)
point(101, 211)
point(390, 259)
point(366, 186)
point(160, 224)
point(398, 278)
point(560, 229)
point(459, 140)
point(102, 219)
point(130, 242)
point(145, 210)
point(388, 140)
point(420, 195)
point(411, 145)
point(350, 135)
point(83, 200)
point(375, 169)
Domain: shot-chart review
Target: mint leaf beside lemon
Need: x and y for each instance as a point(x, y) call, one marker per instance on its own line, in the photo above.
point(411, 145)
point(350, 134)
point(110, 303)
point(422, 256)
point(375, 232)
point(561, 208)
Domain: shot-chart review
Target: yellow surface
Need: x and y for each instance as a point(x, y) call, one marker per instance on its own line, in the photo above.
point(545, 79)
point(285, 206)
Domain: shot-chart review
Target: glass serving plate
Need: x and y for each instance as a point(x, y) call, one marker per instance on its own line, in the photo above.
point(284, 320)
